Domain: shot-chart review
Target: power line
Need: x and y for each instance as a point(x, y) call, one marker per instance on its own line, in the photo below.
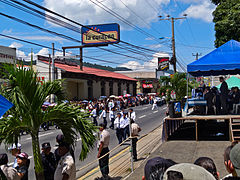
point(39, 28)
point(53, 19)
point(70, 20)
point(36, 44)
point(123, 19)
point(64, 36)
point(139, 16)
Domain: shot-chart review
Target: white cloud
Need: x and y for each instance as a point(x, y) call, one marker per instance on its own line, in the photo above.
point(43, 38)
point(150, 65)
point(155, 46)
point(134, 65)
point(87, 12)
point(201, 11)
point(16, 45)
point(7, 31)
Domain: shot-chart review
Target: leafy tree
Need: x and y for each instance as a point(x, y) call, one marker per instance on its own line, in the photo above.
point(177, 83)
point(227, 21)
point(28, 94)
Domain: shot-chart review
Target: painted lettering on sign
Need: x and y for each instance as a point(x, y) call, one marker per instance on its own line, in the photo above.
point(101, 34)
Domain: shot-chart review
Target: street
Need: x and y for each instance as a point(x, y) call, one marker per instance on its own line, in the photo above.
point(146, 119)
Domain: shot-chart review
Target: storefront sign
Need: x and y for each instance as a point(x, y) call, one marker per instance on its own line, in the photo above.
point(7, 54)
point(101, 34)
point(163, 63)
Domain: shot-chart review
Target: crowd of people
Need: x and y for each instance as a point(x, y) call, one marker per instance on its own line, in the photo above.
point(219, 101)
point(57, 166)
point(203, 168)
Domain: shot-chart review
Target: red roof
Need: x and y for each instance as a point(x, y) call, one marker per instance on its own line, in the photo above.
point(92, 71)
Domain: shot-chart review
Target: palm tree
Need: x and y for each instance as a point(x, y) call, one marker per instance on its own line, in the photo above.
point(28, 94)
point(177, 83)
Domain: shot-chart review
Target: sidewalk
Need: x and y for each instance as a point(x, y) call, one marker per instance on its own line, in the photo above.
point(120, 165)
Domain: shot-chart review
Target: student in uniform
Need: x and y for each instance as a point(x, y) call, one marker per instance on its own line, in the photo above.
point(118, 124)
point(132, 115)
point(94, 115)
point(112, 118)
point(125, 129)
point(103, 150)
point(104, 116)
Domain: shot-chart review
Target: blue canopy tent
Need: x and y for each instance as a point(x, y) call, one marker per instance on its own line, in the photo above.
point(222, 61)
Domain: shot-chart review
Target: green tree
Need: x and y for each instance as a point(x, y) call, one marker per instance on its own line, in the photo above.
point(28, 94)
point(177, 83)
point(227, 21)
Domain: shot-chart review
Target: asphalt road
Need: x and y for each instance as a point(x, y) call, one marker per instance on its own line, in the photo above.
point(146, 119)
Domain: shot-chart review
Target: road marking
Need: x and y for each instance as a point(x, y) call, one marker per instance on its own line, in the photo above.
point(164, 108)
point(41, 135)
point(144, 108)
point(142, 116)
point(155, 111)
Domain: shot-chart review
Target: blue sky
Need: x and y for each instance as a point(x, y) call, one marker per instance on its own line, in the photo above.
point(193, 35)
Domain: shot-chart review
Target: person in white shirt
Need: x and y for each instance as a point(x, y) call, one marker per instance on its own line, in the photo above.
point(103, 150)
point(94, 115)
point(112, 118)
point(125, 121)
point(66, 169)
point(132, 115)
point(104, 116)
point(135, 129)
point(154, 104)
point(119, 127)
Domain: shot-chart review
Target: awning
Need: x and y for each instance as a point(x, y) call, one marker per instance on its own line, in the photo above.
point(147, 86)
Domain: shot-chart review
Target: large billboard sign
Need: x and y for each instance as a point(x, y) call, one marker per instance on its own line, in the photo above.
point(101, 34)
point(163, 63)
point(7, 55)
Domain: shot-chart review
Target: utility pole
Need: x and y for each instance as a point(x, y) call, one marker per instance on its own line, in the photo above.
point(197, 55)
point(53, 66)
point(53, 71)
point(174, 59)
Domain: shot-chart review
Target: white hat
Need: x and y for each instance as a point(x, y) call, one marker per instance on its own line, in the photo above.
point(15, 147)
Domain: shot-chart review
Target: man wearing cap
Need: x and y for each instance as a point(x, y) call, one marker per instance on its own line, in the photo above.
point(7, 172)
point(60, 139)
point(49, 161)
point(103, 149)
point(235, 160)
point(15, 150)
point(66, 169)
point(22, 168)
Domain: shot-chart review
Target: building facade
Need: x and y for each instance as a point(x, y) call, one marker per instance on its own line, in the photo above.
point(88, 83)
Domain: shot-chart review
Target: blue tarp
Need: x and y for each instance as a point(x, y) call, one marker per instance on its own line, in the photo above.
point(223, 60)
point(5, 105)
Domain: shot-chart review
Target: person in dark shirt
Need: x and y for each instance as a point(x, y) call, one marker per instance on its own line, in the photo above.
point(223, 95)
point(22, 168)
point(209, 98)
point(48, 161)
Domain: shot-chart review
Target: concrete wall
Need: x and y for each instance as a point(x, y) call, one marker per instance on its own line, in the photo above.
point(96, 89)
point(115, 88)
